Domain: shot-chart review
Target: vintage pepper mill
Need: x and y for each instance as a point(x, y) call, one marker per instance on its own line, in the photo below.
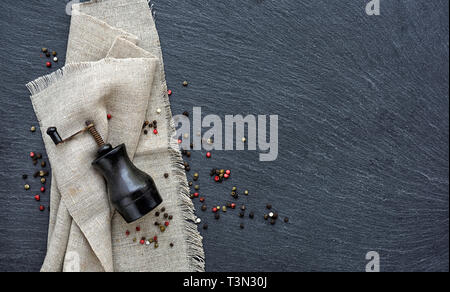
point(132, 192)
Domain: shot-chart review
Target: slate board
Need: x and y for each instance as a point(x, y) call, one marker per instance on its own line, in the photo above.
point(363, 127)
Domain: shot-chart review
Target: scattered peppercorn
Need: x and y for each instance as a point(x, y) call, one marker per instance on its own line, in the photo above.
point(266, 216)
point(208, 155)
point(241, 214)
point(185, 83)
point(157, 214)
point(170, 217)
point(145, 132)
point(269, 206)
point(186, 114)
point(166, 175)
point(196, 187)
point(54, 53)
point(41, 208)
point(272, 222)
point(166, 215)
point(205, 226)
point(251, 215)
point(43, 180)
point(169, 92)
point(286, 219)
point(37, 198)
point(33, 129)
point(171, 244)
point(42, 189)
point(204, 208)
point(163, 209)
point(24, 176)
point(44, 50)
point(43, 163)
point(48, 64)
point(27, 187)
point(162, 228)
point(242, 225)
point(138, 228)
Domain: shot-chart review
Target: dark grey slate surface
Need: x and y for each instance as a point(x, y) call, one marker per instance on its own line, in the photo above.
point(364, 127)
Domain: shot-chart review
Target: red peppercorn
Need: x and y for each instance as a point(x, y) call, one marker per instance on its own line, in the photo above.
point(208, 154)
point(202, 199)
point(166, 223)
point(196, 195)
point(226, 175)
point(169, 92)
point(155, 131)
point(155, 238)
point(42, 189)
point(37, 198)
point(142, 241)
point(32, 154)
point(228, 172)
point(214, 209)
point(127, 233)
point(109, 116)
point(41, 208)
point(138, 228)
point(217, 178)
point(48, 64)
point(180, 141)
point(233, 205)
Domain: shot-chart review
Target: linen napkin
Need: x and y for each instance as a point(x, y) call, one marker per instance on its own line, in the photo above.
point(114, 66)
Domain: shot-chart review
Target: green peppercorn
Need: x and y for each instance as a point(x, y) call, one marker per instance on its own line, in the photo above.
point(43, 180)
point(266, 216)
point(246, 192)
point(162, 228)
point(33, 129)
point(54, 54)
point(234, 189)
point(26, 187)
point(197, 187)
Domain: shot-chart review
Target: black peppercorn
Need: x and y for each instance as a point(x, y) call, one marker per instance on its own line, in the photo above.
point(166, 215)
point(272, 221)
point(251, 215)
point(170, 217)
point(157, 214)
point(166, 175)
point(24, 176)
point(145, 132)
point(241, 214)
point(242, 225)
point(205, 226)
point(269, 206)
point(286, 219)
point(204, 208)
point(217, 216)
point(163, 209)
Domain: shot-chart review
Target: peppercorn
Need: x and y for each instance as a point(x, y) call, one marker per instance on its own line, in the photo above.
point(212, 172)
point(55, 59)
point(171, 244)
point(37, 198)
point(155, 238)
point(217, 216)
point(138, 228)
point(205, 226)
point(156, 223)
point(166, 175)
point(196, 187)
point(226, 176)
point(266, 216)
point(269, 206)
point(169, 92)
point(127, 233)
point(242, 225)
point(142, 241)
point(157, 214)
point(158, 111)
point(155, 131)
point(39, 155)
point(47, 55)
point(246, 192)
point(243, 208)
point(35, 161)
point(188, 154)
point(24, 176)
point(54, 53)
point(204, 208)
point(186, 114)
point(27, 187)
point(196, 195)
point(163, 209)
point(251, 215)
point(145, 132)
point(108, 116)
point(44, 50)
point(43, 180)
point(36, 174)
point(162, 228)
point(170, 217)
point(190, 184)
point(48, 64)
point(234, 189)
point(33, 129)
point(185, 83)
point(32, 154)
point(272, 222)
point(241, 214)
point(233, 205)
point(286, 219)
point(208, 154)
point(224, 209)
point(202, 200)
point(166, 215)
point(275, 216)
point(217, 178)
point(214, 209)
point(41, 208)
point(195, 176)
point(41, 173)
point(43, 163)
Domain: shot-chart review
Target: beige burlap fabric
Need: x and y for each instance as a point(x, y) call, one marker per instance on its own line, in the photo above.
point(114, 65)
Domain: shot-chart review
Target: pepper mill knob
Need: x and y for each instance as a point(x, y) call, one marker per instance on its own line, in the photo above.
point(54, 135)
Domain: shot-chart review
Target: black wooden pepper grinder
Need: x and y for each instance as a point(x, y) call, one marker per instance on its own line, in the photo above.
point(132, 192)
